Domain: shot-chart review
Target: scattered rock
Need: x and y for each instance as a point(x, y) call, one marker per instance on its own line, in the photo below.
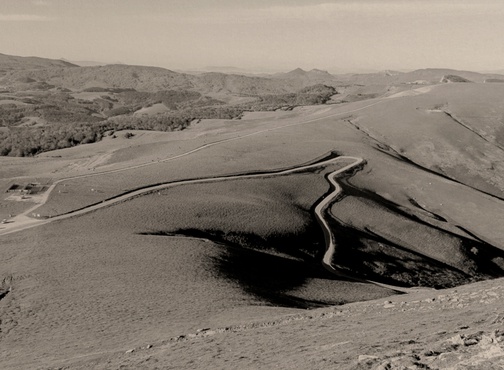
point(366, 358)
point(456, 339)
point(473, 339)
point(471, 342)
point(498, 335)
point(430, 352)
point(388, 304)
point(486, 340)
point(384, 366)
point(130, 350)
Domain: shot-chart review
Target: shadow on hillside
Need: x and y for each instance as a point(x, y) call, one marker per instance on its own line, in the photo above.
point(260, 268)
point(266, 276)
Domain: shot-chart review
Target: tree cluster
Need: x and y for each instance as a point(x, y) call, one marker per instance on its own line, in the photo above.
point(71, 121)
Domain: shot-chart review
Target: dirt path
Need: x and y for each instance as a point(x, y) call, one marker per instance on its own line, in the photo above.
point(331, 246)
point(24, 221)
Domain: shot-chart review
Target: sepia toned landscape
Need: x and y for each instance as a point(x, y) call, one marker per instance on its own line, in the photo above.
point(225, 218)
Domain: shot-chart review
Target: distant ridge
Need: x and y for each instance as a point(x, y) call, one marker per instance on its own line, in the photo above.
point(224, 69)
point(56, 73)
point(299, 72)
point(427, 75)
point(453, 78)
point(108, 76)
point(16, 72)
point(12, 63)
point(88, 63)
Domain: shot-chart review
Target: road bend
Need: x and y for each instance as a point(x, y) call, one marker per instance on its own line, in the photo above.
point(24, 218)
point(330, 240)
point(24, 222)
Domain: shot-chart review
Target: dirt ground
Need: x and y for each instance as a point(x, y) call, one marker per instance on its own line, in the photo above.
point(449, 329)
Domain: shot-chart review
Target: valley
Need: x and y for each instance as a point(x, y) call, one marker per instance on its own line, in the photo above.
point(204, 213)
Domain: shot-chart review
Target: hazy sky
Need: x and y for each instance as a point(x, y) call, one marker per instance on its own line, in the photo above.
point(254, 34)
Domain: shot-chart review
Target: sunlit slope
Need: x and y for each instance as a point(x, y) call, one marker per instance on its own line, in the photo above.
point(419, 76)
point(397, 222)
point(430, 193)
point(425, 192)
point(455, 130)
point(111, 279)
point(222, 253)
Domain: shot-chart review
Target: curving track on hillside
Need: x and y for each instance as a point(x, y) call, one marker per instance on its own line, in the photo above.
point(330, 242)
point(24, 221)
point(321, 207)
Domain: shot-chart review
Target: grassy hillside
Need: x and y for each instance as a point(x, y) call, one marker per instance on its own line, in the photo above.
point(179, 266)
point(12, 63)
point(438, 132)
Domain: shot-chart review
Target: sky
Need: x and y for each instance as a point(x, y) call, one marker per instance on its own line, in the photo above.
point(260, 35)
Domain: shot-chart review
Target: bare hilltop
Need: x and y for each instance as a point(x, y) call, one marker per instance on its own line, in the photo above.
point(298, 220)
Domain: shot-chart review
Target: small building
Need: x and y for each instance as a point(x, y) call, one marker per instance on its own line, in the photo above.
point(14, 188)
point(28, 189)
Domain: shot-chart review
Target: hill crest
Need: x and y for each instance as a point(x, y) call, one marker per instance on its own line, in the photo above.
point(12, 62)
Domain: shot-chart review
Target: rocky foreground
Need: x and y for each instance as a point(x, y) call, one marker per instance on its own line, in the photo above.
point(459, 328)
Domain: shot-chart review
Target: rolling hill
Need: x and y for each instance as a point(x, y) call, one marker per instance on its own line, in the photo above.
point(12, 63)
point(109, 76)
point(201, 241)
point(420, 76)
point(155, 79)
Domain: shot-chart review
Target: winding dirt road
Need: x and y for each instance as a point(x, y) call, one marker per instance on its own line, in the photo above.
point(330, 242)
point(331, 246)
point(23, 221)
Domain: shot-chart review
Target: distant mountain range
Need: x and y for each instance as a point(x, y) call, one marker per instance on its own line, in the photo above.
point(62, 74)
point(16, 72)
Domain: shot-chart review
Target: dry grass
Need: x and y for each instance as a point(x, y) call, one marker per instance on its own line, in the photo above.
point(11, 208)
point(437, 141)
point(116, 288)
point(95, 283)
point(392, 245)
